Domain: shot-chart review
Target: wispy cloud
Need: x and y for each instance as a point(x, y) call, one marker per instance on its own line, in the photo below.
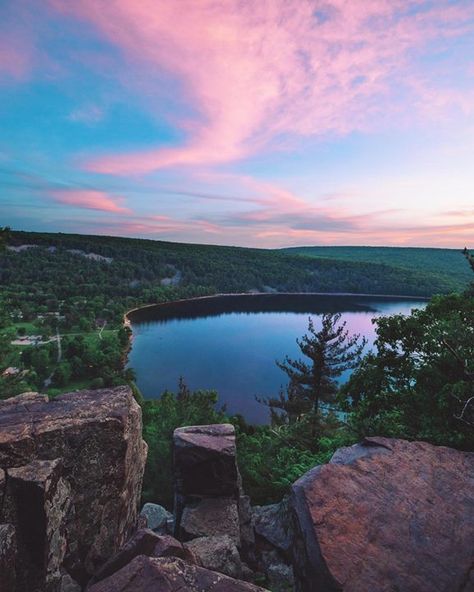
point(90, 200)
point(260, 73)
point(15, 57)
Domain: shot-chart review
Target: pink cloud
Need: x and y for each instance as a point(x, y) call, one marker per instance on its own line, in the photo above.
point(260, 72)
point(15, 58)
point(90, 200)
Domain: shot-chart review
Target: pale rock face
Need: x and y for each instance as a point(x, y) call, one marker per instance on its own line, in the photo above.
point(386, 515)
point(211, 517)
point(217, 553)
point(73, 470)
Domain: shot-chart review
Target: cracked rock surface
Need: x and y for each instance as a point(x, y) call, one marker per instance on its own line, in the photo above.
point(70, 482)
point(386, 515)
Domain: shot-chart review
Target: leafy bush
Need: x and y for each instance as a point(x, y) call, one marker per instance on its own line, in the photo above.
point(160, 418)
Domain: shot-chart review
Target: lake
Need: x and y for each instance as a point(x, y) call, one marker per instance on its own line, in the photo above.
point(230, 343)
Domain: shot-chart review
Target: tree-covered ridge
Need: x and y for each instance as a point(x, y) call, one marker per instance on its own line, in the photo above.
point(137, 268)
point(442, 262)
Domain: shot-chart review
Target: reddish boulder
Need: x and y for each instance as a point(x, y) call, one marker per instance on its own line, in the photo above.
point(143, 542)
point(148, 574)
point(386, 515)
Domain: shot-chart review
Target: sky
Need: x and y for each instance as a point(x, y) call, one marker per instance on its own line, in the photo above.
point(262, 123)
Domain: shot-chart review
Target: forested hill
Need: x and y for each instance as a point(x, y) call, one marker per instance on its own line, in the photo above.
point(442, 262)
point(74, 290)
point(135, 271)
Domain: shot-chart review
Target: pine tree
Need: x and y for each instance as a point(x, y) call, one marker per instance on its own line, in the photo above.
point(5, 234)
point(330, 351)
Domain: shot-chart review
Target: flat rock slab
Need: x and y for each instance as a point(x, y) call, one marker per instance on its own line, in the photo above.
point(147, 574)
point(386, 515)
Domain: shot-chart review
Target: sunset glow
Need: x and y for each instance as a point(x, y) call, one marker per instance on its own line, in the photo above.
point(269, 123)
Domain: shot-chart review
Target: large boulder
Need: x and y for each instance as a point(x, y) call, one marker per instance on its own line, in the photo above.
point(73, 469)
point(204, 461)
point(148, 574)
point(386, 515)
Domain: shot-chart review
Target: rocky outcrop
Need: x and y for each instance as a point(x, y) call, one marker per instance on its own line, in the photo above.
point(386, 515)
point(148, 574)
point(381, 516)
point(209, 500)
point(70, 483)
point(211, 510)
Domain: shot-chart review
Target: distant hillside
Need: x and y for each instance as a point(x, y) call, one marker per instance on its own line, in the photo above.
point(444, 263)
point(41, 269)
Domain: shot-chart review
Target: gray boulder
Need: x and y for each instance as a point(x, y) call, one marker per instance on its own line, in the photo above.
point(272, 523)
point(157, 518)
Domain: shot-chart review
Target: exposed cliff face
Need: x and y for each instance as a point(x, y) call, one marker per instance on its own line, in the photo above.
point(70, 479)
point(386, 515)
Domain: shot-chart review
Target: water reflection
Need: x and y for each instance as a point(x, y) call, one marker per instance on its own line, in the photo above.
point(230, 343)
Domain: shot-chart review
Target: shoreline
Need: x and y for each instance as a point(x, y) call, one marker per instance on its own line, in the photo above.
point(128, 323)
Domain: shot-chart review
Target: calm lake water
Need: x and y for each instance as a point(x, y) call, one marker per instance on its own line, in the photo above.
point(230, 343)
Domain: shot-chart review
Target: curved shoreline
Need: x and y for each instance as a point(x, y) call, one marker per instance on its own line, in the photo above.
point(128, 323)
